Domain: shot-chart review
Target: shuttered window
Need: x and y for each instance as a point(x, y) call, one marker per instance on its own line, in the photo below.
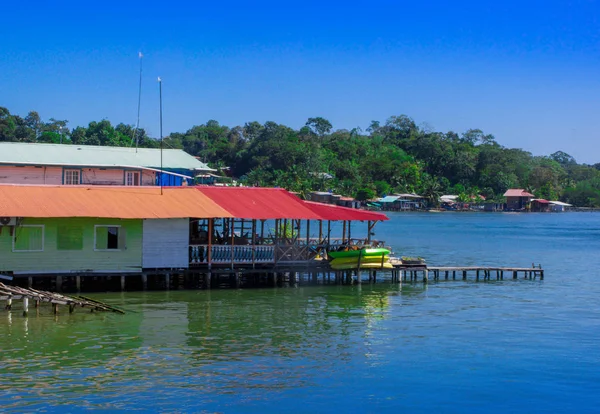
point(109, 238)
point(28, 238)
point(69, 237)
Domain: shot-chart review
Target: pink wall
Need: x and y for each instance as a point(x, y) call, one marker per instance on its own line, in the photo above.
point(30, 175)
point(54, 176)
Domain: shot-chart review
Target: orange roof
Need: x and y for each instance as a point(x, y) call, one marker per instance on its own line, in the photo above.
point(106, 202)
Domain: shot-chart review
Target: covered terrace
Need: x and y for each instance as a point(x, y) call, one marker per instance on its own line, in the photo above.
point(272, 226)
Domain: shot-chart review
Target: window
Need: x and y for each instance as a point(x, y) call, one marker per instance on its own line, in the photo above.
point(132, 178)
point(72, 177)
point(69, 237)
point(28, 238)
point(109, 238)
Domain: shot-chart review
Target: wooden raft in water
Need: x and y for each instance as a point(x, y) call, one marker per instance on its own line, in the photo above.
point(8, 293)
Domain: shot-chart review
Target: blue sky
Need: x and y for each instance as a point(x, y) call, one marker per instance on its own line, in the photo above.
point(527, 72)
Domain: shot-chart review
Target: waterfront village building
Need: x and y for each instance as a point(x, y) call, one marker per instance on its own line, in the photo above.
point(54, 164)
point(336, 199)
point(517, 199)
point(559, 206)
point(402, 202)
point(539, 205)
point(123, 230)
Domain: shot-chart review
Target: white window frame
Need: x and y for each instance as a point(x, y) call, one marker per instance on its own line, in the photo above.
point(106, 250)
point(43, 226)
point(72, 171)
point(132, 175)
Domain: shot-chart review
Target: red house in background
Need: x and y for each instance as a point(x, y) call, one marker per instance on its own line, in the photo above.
point(517, 198)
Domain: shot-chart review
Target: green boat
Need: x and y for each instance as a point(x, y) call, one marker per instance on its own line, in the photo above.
point(360, 252)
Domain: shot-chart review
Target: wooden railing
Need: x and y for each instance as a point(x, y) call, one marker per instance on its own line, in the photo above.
point(232, 254)
point(268, 253)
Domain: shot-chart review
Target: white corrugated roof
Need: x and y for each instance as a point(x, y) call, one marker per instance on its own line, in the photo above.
point(560, 203)
point(92, 155)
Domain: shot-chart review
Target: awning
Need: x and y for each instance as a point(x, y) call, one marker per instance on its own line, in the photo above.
point(337, 213)
point(259, 203)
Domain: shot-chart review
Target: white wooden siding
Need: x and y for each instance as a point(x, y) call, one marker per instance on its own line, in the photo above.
point(165, 243)
point(30, 175)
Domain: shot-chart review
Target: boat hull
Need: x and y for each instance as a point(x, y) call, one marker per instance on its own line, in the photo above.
point(361, 252)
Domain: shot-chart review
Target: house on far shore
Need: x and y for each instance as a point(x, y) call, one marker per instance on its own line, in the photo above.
point(55, 164)
point(335, 199)
point(402, 202)
point(517, 198)
point(539, 205)
point(559, 206)
point(320, 196)
point(348, 202)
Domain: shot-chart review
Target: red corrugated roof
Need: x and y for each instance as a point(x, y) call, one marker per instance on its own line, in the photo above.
point(331, 212)
point(276, 203)
point(517, 192)
point(541, 201)
point(259, 203)
point(106, 202)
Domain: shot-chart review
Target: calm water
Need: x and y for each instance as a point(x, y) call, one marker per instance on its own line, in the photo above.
point(454, 347)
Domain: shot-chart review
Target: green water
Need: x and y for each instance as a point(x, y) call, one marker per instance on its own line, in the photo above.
point(449, 346)
point(186, 339)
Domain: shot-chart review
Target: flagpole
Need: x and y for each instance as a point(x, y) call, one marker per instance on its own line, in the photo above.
point(161, 136)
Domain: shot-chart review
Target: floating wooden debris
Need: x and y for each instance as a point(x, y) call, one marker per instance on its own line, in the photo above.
point(8, 293)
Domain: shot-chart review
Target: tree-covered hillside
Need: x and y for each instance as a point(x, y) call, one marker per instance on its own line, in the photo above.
point(394, 156)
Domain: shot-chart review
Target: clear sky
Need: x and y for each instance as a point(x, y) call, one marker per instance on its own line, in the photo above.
point(526, 71)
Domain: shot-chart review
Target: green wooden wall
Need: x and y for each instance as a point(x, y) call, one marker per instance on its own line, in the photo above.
point(54, 260)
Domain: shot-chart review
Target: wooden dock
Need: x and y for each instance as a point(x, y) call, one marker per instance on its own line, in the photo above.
point(10, 293)
point(236, 276)
point(412, 272)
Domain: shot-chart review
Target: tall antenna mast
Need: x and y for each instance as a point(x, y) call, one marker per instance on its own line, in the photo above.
point(137, 125)
point(161, 135)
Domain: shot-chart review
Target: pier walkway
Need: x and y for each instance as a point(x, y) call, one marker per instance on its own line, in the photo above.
point(412, 272)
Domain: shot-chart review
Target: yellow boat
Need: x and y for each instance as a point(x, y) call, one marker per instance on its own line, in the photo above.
point(354, 260)
point(349, 266)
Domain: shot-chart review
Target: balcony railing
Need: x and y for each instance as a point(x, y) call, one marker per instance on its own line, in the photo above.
point(232, 254)
point(299, 251)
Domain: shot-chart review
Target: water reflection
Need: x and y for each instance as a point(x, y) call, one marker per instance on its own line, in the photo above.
point(218, 341)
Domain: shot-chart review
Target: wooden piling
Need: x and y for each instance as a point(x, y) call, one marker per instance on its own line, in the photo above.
point(25, 306)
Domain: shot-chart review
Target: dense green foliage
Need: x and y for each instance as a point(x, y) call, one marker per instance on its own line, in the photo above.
point(396, 156)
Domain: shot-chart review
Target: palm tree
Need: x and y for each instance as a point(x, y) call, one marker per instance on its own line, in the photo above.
point(431, 190)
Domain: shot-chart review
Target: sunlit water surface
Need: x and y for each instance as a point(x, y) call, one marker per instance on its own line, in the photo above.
point(452, 346)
